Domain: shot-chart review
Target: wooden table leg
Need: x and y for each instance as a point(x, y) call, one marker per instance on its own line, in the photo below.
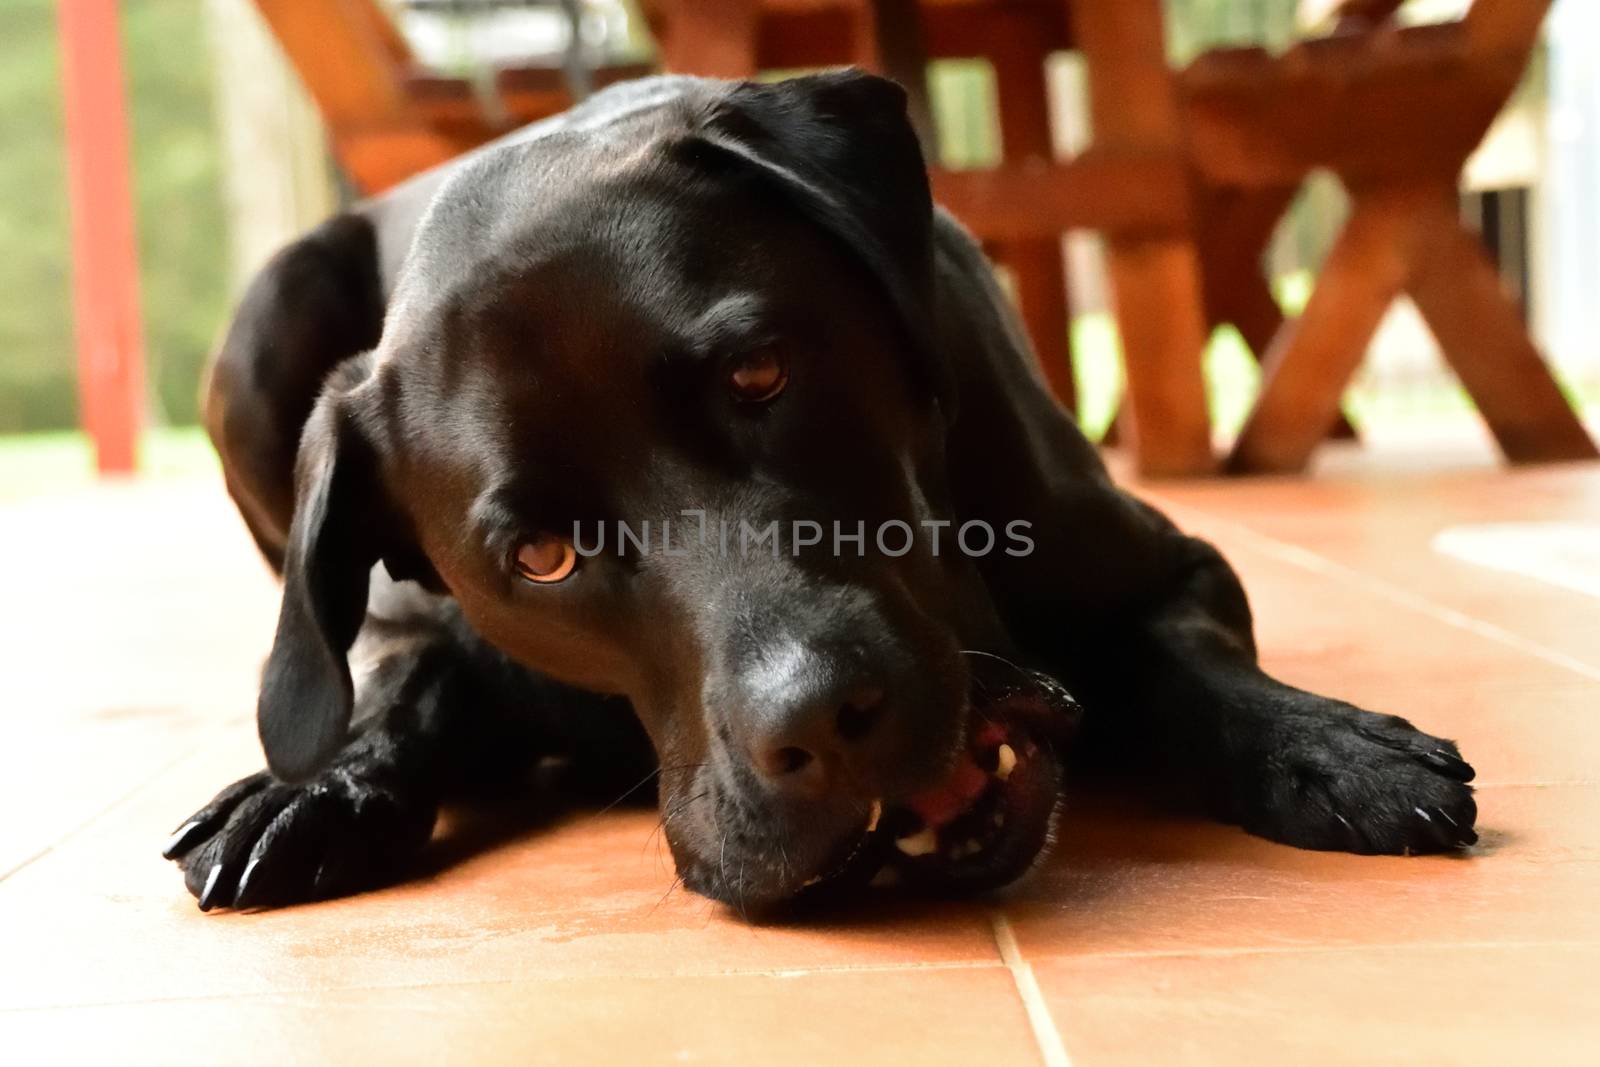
point(1305, 371)
point(1037, 265)
point(1155, 278)
point(1483, 338)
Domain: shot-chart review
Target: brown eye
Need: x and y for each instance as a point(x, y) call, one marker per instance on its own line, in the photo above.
point(758, 376)
point(546, 559)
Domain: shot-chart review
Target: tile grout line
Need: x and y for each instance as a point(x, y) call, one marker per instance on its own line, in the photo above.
point(535, 979)
point(1045, 1033)
point(100, 813)
point(555, 979)
point(1306, 559)
point(1313, 949)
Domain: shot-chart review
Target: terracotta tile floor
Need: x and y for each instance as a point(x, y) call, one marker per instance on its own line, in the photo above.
point(138, 616)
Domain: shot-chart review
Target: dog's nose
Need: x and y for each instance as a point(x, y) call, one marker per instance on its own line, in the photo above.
point(800, 743)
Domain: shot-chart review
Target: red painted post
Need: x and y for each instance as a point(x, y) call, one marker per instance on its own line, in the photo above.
point(105, 266)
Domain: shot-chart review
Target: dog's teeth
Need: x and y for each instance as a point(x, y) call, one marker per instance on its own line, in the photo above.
point(1006, 762)
point(873, 815)
point(919, 844)
point(973, 847)
point(809, 882)
point(886, 878)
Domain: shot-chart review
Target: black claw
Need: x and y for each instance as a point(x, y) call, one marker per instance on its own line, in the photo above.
point(321, 880)
point(184, 838)
point(1441, 833)
point(210, 896)
point(203, 822)
point(1462, 836)
point(241, 895)
point(1449, 764)
point(1446, 830)
point(1353, 839)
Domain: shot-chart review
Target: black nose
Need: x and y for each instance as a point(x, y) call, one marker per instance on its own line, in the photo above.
point(803, 738)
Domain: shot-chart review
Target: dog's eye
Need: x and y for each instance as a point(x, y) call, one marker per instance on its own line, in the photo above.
point(546, 559)
point(759, 376)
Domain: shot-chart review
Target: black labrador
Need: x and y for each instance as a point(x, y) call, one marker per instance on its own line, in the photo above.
point(691, 437)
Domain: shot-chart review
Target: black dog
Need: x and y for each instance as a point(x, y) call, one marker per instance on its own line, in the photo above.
point(681, 314)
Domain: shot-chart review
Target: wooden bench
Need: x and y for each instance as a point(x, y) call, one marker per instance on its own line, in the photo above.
point(1186, 177)
point(1393, 112)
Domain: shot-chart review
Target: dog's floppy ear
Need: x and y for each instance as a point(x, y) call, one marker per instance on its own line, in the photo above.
point(840, 147)
point(304, 710)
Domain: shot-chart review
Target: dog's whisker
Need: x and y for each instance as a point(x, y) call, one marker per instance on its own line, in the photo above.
point(680, 768)
point(661, 771)
point(676, 884)
point(787, 870)
point(988, 655)
point(640, 784)
point(722, 857)
point(739, 888)
point(667, 816)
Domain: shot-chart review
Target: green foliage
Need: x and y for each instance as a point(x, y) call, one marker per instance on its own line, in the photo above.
point(36, 464)
point(962, 96)
point(183, 245)
point(1196, 25)
point(36, 387)
point(181, 223)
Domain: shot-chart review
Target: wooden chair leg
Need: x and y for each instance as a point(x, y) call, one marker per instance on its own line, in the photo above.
point(1484, 340)
point(895, 32)
point(1155, 290)
point(715, 38)
point(1234, 228)
point(1155, 279)
point(1039, 271)
point(1038, 266)
point(1306, 369)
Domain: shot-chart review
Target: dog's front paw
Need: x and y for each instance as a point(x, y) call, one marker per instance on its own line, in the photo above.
point(1331, 776)
point(262, 843)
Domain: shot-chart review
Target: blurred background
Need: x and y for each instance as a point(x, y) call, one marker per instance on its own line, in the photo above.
point(226, 168)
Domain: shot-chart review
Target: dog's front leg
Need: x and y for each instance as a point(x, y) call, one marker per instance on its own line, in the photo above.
point(436, 718)
point(262, 842)
point(1180, 683)
point(1161, 654)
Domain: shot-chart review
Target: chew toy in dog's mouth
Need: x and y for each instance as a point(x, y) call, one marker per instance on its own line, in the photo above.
point(990, 819)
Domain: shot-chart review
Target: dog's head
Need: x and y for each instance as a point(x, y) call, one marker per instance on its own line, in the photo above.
point(658, 404)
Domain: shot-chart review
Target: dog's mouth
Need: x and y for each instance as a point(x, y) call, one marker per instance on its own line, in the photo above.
point(990, 819)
